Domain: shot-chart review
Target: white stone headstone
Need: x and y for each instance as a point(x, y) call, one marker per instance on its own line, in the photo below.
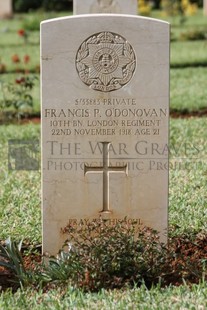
point(6, 8)
point(105, 98)
point(105, 6)
point(205, 7)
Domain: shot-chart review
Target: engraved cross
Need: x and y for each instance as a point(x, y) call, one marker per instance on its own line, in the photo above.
point(105, 170)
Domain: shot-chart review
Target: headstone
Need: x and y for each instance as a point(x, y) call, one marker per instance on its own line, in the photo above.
point(105, 6)
point(205, 7)
point(6, 8)
point(105, 96)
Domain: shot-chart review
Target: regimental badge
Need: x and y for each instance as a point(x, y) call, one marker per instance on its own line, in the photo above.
point(105, 61)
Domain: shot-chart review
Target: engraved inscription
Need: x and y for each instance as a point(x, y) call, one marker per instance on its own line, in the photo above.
point(106, 169)
point(90, 119)
point(75, 222)
point(105, 61)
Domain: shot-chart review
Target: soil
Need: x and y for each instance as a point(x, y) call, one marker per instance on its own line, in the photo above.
point(188, 114)
point(188, 261)
point(34, 120)
point(184, 262)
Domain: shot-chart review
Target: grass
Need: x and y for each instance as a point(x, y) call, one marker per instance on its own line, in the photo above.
point(20, 195)
point(20, 50)
point(187, 89)
point(12, 40)
point(183, 53)
point(175, 298)
point(188, 53)
point(19, 20)
point(35, 92)
point(195, 20)
point(20, 212)
point(188, 182)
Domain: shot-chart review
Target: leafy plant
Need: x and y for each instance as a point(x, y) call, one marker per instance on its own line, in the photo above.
point(2, 67)
point(23, 34)
point(25, 6)
point(145, 7)
point(17, 60)
point(104, 255)
point(193, 35)
point(66, 267)
point(17, 95)
point(11, 258)
point(182, 8)
point(55, 5)
point(32, 22)
point(100, 254)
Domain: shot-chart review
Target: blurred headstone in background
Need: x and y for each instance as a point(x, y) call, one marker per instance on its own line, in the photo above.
point(105, 6)
point(205, 7)
point(6, 9)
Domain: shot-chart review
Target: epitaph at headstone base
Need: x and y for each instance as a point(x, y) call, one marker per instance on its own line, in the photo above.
point(105, 97)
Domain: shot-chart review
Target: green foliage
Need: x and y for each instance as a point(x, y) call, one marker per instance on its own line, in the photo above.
point(11, 258)
point(101, 255)
point(20, 198)
point(182, 8)
point(188, 54)
point(56, 5)
point(187, 90)
point(20, 212)
point(172, 297)
point(66, 267)
point(184, 54)
point(17, 95)
point(32, 22)
point(25, 5)
point(188, 182)
point(193, 35)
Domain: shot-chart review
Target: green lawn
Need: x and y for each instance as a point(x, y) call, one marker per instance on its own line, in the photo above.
point(188, 58)
point(183, 53)
point(35, 92)
point(20, 193)
point(188, 53)
point(197, 21)
point(173, 298)
point(188, 89)
point(21, 50)
point(188, 171)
